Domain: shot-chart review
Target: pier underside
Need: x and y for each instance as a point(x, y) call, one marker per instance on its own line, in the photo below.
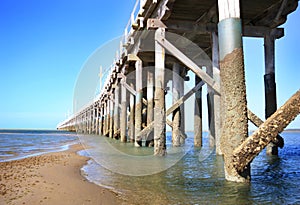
point(164, 39)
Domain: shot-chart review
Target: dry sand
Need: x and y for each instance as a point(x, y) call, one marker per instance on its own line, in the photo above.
point(52, 178)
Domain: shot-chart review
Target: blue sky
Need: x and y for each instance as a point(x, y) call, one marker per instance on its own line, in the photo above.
point(44, 44)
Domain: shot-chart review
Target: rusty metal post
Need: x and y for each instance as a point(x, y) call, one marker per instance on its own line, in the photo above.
point(233, 88)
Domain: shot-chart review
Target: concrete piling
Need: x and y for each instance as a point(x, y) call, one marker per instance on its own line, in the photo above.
point(159, 97)
point(233, 87)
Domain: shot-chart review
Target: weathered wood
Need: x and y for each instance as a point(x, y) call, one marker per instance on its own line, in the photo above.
point(267, 132)
point(198, 115)
point(138, 102)
point(182, 135)
point(233, 87)
point(111, 116)
point(100, 119)
point(189, 63)
point(97, 120)
point(129, 88)
point(184, 98)
point(132, 113)
point(150, 104)
point(146, 131)
point(176, 113)
point(228, 9)
point(116, 113)
point(270, 85)
point(216, 101)
point(106, 108)
point(123, 119)
point(208, 28)
point(182, 106)
point(159, 97)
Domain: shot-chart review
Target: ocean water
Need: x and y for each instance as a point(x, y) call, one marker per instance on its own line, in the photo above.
point(18, 144)
point(187, 175)
point(192, 175)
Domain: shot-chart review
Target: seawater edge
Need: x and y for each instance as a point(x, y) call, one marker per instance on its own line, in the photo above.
point(20, 144)
point(194, 181)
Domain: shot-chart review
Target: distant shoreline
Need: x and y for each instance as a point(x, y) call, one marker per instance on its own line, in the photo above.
point(292, 130)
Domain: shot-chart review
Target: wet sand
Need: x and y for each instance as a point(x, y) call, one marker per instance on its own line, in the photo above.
point(52, 178)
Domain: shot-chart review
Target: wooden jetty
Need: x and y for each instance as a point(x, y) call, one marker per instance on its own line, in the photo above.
point(217, 27)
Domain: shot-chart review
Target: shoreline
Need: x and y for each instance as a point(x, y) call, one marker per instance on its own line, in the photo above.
point(51, 178)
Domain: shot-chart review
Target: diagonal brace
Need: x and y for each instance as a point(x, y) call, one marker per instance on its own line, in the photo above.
point(189, 63)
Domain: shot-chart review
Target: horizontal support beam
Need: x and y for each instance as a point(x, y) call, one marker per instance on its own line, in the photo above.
point(247, 31)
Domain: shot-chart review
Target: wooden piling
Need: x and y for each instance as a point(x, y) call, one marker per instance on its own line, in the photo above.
point(233, 88)
point(100, 119)
point(138, 102)
point(111, 116)
point(104, 117)
point(107, 117)
point(116, 134)
point(123, 119)
point(176, 114)
point(132, 114)
point(159, 97)
point(97, 120)
point(198, 115)
point(217, 118)
point(182, 110)
point(150, 93)
point(270, 85)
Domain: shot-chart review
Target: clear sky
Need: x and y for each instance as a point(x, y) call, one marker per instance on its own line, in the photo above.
point(43, 45)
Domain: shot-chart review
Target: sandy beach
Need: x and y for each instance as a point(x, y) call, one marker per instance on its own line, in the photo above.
point(53, 178)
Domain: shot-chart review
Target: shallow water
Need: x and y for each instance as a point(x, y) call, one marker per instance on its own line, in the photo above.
point(187, 175)
point(17, 144)
point(197, 177)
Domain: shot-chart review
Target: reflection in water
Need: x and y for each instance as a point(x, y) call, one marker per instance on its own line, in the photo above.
point(195, 180)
